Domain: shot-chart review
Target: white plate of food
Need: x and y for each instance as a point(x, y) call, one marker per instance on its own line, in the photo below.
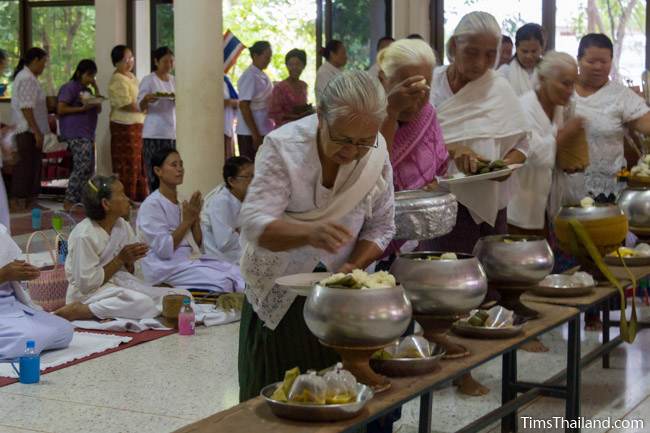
point(461, 178)
point(301, 284)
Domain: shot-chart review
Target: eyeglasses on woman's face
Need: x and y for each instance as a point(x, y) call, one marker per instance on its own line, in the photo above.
point(362, 143)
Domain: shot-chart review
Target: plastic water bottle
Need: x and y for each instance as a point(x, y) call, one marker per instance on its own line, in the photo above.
point(30, 364)
point(186, 318)
point(36, 218)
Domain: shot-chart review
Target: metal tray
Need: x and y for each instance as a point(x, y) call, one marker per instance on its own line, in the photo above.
point(403, 367)
point(561, 285)
point(629, 261)
point(317, 413)
point(462, 328)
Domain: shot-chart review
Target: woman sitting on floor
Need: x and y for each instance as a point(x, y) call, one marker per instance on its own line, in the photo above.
point(220, 215)
point(102, 256)
point(20, 320)
point(172, 228)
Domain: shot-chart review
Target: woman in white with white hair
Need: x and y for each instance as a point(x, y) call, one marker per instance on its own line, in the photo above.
point(546, 109)
point(322, 196)
point(481, 118)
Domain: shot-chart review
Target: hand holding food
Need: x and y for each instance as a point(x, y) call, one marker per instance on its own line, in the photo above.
point(468, 162)
point(328, 236)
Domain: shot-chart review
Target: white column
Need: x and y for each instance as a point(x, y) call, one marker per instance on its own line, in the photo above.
point(411, 16)
point(142, 33)
point(198, 41)
point(110, 30)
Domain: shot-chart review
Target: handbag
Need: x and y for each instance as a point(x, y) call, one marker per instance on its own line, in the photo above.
point(50, 288)
point(52, 144)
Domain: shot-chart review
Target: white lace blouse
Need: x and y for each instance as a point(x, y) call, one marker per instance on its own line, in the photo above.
point(288, 178)
point(606, 111)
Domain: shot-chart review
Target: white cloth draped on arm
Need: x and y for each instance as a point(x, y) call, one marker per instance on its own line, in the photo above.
point(288, 184)
point(486, 116)
point(527, 208)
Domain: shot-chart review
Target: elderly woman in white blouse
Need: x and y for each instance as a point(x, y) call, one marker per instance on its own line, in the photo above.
point(322, 197)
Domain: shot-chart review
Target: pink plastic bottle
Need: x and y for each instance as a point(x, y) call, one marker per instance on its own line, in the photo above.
point(186, 318)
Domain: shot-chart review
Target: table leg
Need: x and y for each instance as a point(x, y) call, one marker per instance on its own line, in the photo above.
point(426, 409)
point(508, 379)
point(573, 373)
point(606, 325)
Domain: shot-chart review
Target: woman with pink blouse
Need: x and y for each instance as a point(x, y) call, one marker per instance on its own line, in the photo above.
point(289, 98)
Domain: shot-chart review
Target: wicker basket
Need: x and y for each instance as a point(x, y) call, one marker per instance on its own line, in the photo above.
point(50, 288)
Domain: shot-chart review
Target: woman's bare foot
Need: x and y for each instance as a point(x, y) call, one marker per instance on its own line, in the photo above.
point(75, 311)
point(452, 350)
point(534, 346)
point(469, 386)
point(593, 324)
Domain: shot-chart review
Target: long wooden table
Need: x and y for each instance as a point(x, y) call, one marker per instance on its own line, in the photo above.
point(602, 297)
point(255, 416)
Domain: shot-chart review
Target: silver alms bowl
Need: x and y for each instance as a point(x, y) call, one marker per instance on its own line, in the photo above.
point(357, 318)
point(515, 259)
point(441, 287)
point(421, 215)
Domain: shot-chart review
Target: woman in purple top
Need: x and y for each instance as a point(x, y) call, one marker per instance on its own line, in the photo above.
point(78, 110)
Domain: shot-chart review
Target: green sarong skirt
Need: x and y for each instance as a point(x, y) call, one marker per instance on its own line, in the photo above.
point(265, 354)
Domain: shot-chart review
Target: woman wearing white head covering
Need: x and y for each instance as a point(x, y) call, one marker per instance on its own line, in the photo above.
point(481, 118)
point(322, 194)
point(546, 110)
point(520, 70)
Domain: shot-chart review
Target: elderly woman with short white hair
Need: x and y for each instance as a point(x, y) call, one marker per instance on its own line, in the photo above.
point(322, 197)
point(547, 109)
point(481, 119)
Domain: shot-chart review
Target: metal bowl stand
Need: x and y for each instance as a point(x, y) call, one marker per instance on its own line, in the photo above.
point(436, 329)
point(357, 361)
point(510, 299)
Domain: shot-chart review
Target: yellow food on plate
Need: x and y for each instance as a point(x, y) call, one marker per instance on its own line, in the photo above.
point(382, 355)
point(281, 393)
point(624, 252)
point(341, 399)
point(306, 396)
